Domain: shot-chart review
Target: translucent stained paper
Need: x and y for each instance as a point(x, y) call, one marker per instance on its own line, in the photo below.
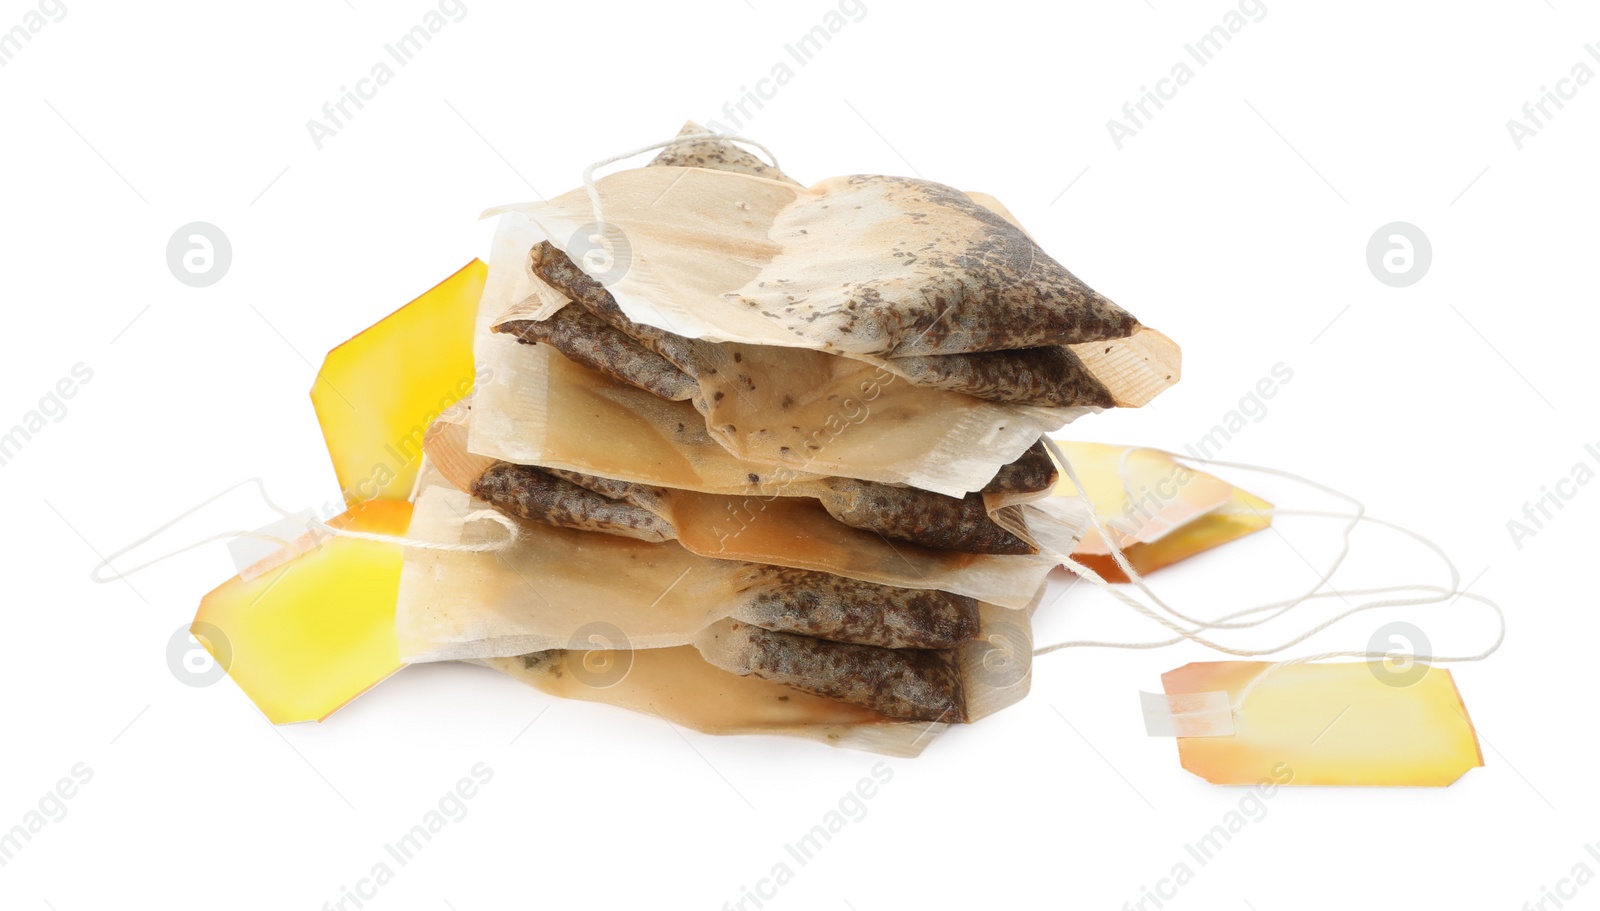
point(779, 526)
point(807, 412)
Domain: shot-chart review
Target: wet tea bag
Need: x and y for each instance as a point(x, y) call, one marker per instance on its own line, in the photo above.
point(556, 415)
point(866, 265)
point(908, 684)
point(562, 593)
point(552, 582)
point(789, 408)
point(1046, 376)
point(680, 685)
point(1052, 375)
point(575, 500)
point(844, 417)
point(788, 526)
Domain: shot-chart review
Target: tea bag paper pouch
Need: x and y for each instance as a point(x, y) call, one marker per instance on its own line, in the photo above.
point(731, 257)
point(843, 418)
point(552, 583)
point(776, 527)
point(679, 685)
point(1350, 723)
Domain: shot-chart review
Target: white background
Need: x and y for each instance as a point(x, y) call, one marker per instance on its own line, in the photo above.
point(1236, 221)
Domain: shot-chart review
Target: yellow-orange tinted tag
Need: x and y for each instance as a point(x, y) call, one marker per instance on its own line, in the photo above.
point(377, 394)
point(1355, 723)
point(1157, 510)
point(310, 635)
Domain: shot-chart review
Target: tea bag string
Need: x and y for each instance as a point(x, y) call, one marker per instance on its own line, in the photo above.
point(594, 192)
point(513, 532)
point(1453, 592)
point(1279, 608)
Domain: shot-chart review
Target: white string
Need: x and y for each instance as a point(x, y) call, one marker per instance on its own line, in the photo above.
point(105, 563)
point(1275, 609)
point(588, 173)
point(513, 532)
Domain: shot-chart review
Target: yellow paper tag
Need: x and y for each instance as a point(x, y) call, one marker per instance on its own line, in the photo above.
point(1352, 723)
point(377, 394)
point(316, 632)
point(1157, 510)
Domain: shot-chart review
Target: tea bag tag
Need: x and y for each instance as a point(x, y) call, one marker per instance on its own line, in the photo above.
point(1154, 510)
point(1359, 723)
point(1187, 714)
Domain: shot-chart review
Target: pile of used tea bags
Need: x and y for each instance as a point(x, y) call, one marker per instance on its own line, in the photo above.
point(774, 452)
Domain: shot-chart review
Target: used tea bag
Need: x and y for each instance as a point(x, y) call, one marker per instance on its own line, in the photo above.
point(681, 686)
point(1052, 375)
point(809, 413)
point(1030, 376)
point(845, 610)
point(578, 421)
point(865, 265)
point(555, 591)
point(911, 684)
point(791, 527)
point(530, 493)
point(792, 409)
point(574, 500)
point(586, 339)
point(554, 582)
